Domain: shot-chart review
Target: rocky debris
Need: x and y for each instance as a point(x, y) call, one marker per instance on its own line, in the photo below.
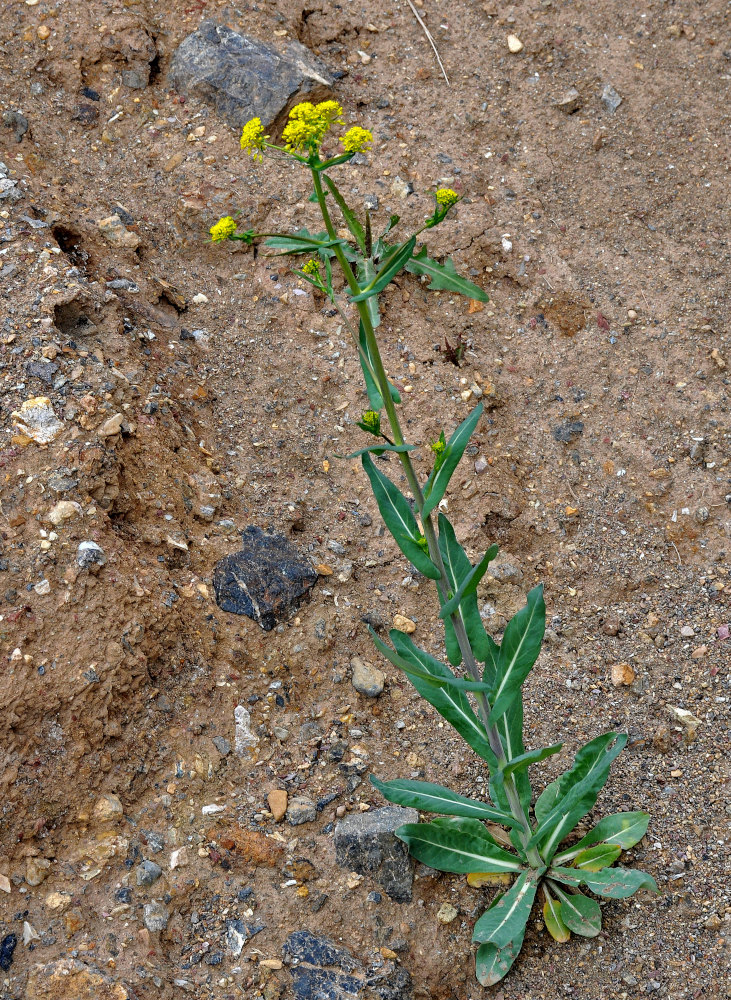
point(111, 426)
point(155, 916)
point(568, 431)
point(64, 510)
point(5, 883)
point(116, 233)
point(245, 739)
point(89, 555)
point(9, 189)
point(446, 913)
point(365, 843)
point(37, 421)
point(244, 78)
point(179, 858)
point(610, 98)
point(277, 802)
point(265, 578)
point(321, 969)
point(689, 721)
point(58, 901)
point(148, 873)
point(514, 44)
point(570, 102)
point(70, 979)
point(301, 810)
point(366, 679)
point(622, 674)
point(238, 933)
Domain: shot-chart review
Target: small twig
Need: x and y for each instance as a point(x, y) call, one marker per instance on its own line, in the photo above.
point(428, 34)
point(572, 492)
point(680, 561)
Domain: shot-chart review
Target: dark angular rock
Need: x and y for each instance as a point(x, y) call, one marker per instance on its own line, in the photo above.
point(148, 873)
point(43, 370)
point(569, 430)
point(263, 579)
point(244, 78)
point(17, 122)
point(304, 946)
point(365, 843)
point(7, 947)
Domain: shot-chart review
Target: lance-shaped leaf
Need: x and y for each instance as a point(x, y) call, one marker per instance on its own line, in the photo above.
point(400, 521)
point(518, 651)
point(469, 584)
point(578, 791)
point(524, 760)
point(623, 829)
point(580, 914)
point(349, 215)
point(593, 859)
point(612, 883)
point(388, 271)
point(510, 728)
point(445, 276)
point(366, 363)
point(460, 845)
point(451, 703)
point(457, 566)
point(378, 449)
point(302, 242)
point(438, 480)
point(366, 272)
point(493, 964)
point(434, 798)
point(552, 919)
point(546, 801)
point(505, 921)
point(417, 662)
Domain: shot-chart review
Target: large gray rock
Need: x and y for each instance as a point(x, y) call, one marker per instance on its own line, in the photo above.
point(242, 77)
point(365, 843)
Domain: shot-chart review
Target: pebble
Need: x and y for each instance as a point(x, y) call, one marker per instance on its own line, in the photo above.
point(713, 923)
point(108, 809)
point(148, 873)
point(481, 465)
point(446, 913)
point(404, 624)
point(4, 883)
point(570, 102)
point(301, 810)
point(116, 233)
point(701, 515)
point(514, 44)
point(222, 745)
point(111, 426)
point(212, 809)
point(366, 679)
point(179, 858)
point(610, 98)
point(7, 948)
point(699, 652)
point(688, 720)
point(64, 510)
point(568, 431)
point(36, 870)
point(245, 739)
point(401, 188)
point(29, 933)
point(277, 802)
point(58, 901)
point(687, 631)
point(36, 420)
point(155, 916)
point(89, 554)
point(622, 674)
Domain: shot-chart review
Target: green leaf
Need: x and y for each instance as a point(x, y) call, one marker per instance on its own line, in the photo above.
point(612, 883)
point(434, 798)
point(518, 651)
point(301, 242)
point(438, 481)
point(366, 272)
point(445, 276)
point(552, 919)
point(391, 267)
point(378, 449)
point(578, 789)
point(457, 566)
point(493, 964)
point(468, 586)
point(391, 224)
point(623, 829)
point(462, 846)
point(400, 521)
point(593, 859)
point(524, 760)
point(546, 801)
point(580, 914)
point(452, 704)
point(351, 220)
point(418, 659)
point(510, 728)
point(505, 921)
point(374, 395)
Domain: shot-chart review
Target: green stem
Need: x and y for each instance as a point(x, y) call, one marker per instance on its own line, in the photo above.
point(511, 790)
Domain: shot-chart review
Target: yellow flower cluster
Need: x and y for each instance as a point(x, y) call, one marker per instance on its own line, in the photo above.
point(253, 138)
point(446, 197)
point(312, 267)
point(371, 419)
point(223, 229)
point(356, 139)
point(309, 124)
